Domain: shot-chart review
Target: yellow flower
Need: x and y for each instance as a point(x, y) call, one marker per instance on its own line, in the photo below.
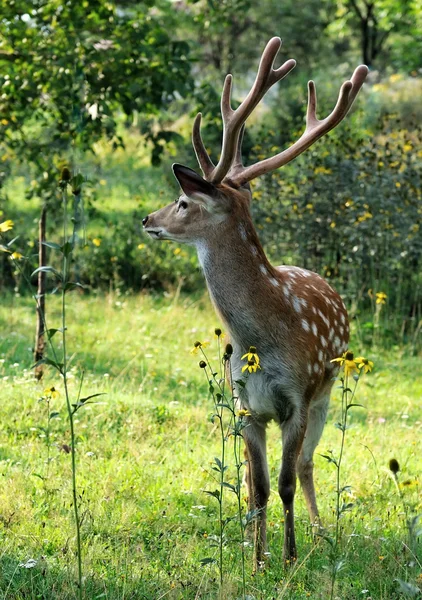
point(243, 412)
point(347, 362)
point(177, 251)
point(6, 226)
point(365, 364)
point(16, 255)
point(141, 246)
point(253, 360)
point(218, 334)
point(322, 171)
point(381, 297)
point(51, 392)
point(251, 355)
point(96, 242)
point(251, 366)
point(197, 346)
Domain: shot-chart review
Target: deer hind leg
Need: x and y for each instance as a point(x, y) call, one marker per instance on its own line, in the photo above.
point(293, 432)
point(305, 466)
point(258, 482)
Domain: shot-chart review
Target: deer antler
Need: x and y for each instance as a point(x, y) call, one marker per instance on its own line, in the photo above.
point(233, 120)
point(230, 163)
point(313, 131)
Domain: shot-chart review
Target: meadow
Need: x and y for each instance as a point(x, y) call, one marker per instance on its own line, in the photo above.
point(144, 455)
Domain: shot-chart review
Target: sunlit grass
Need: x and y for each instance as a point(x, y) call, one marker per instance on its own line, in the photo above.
point(144, 453)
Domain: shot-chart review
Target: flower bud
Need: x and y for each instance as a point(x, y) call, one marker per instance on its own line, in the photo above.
point(394, 466)
point(229, 350)
point(202, 364)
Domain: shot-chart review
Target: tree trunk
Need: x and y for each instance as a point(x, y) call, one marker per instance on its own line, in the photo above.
point(39, 335)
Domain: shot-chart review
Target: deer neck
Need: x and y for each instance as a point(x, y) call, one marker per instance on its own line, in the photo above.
point(239, 277)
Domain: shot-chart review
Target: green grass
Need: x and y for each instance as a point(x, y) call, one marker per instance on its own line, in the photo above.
point(144, 453)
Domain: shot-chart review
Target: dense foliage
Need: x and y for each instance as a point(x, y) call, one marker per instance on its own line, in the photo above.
point(106, 87)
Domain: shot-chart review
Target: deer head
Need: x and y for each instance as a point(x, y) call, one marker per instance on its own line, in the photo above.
point(209, 201)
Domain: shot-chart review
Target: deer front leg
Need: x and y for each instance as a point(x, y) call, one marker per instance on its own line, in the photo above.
point(258, 482)
point(293, 434)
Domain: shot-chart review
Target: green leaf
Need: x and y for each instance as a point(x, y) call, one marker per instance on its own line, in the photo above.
point(51, 332)
point(48, 270)
point(207, 561)
point(48, 361)
point(330, 459)
point(230, 486)
point(251, 515)
point(9, 244)
point(82, 400)
point(215, 494)
point(52, 245)
point(218, 462)
point(353, 404)
point(67, 248)
point(345, 507)
point(71, 285)
point(54, 414)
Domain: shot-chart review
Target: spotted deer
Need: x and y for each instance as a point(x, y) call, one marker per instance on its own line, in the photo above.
point(297, 322)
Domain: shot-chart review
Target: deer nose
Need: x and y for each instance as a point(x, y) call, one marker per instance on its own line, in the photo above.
point(145, 220)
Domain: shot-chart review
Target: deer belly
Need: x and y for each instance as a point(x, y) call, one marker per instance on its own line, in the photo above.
point(267, 400)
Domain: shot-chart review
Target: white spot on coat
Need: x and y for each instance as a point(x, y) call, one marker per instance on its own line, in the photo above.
point(305, 325)
point(242, 232)
point(296, 304)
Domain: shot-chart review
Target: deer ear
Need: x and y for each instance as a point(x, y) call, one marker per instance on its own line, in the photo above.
point(194, 186)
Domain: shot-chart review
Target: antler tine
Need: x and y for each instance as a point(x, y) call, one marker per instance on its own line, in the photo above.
point(204, 160)
point(233, 120)
point(315, 128)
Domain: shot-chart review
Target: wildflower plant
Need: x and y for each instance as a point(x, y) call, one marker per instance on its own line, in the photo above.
point(58, 359)
point(231, 420)
point(413, 528)
point(351, 371)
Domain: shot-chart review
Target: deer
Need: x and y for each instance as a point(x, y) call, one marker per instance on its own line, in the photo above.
point(292, 316)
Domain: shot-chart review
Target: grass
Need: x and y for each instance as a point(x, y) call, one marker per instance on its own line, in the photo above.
point(144, 454)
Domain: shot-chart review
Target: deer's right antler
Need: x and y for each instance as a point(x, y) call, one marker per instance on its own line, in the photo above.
point(233, 120)
point(230, 164)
